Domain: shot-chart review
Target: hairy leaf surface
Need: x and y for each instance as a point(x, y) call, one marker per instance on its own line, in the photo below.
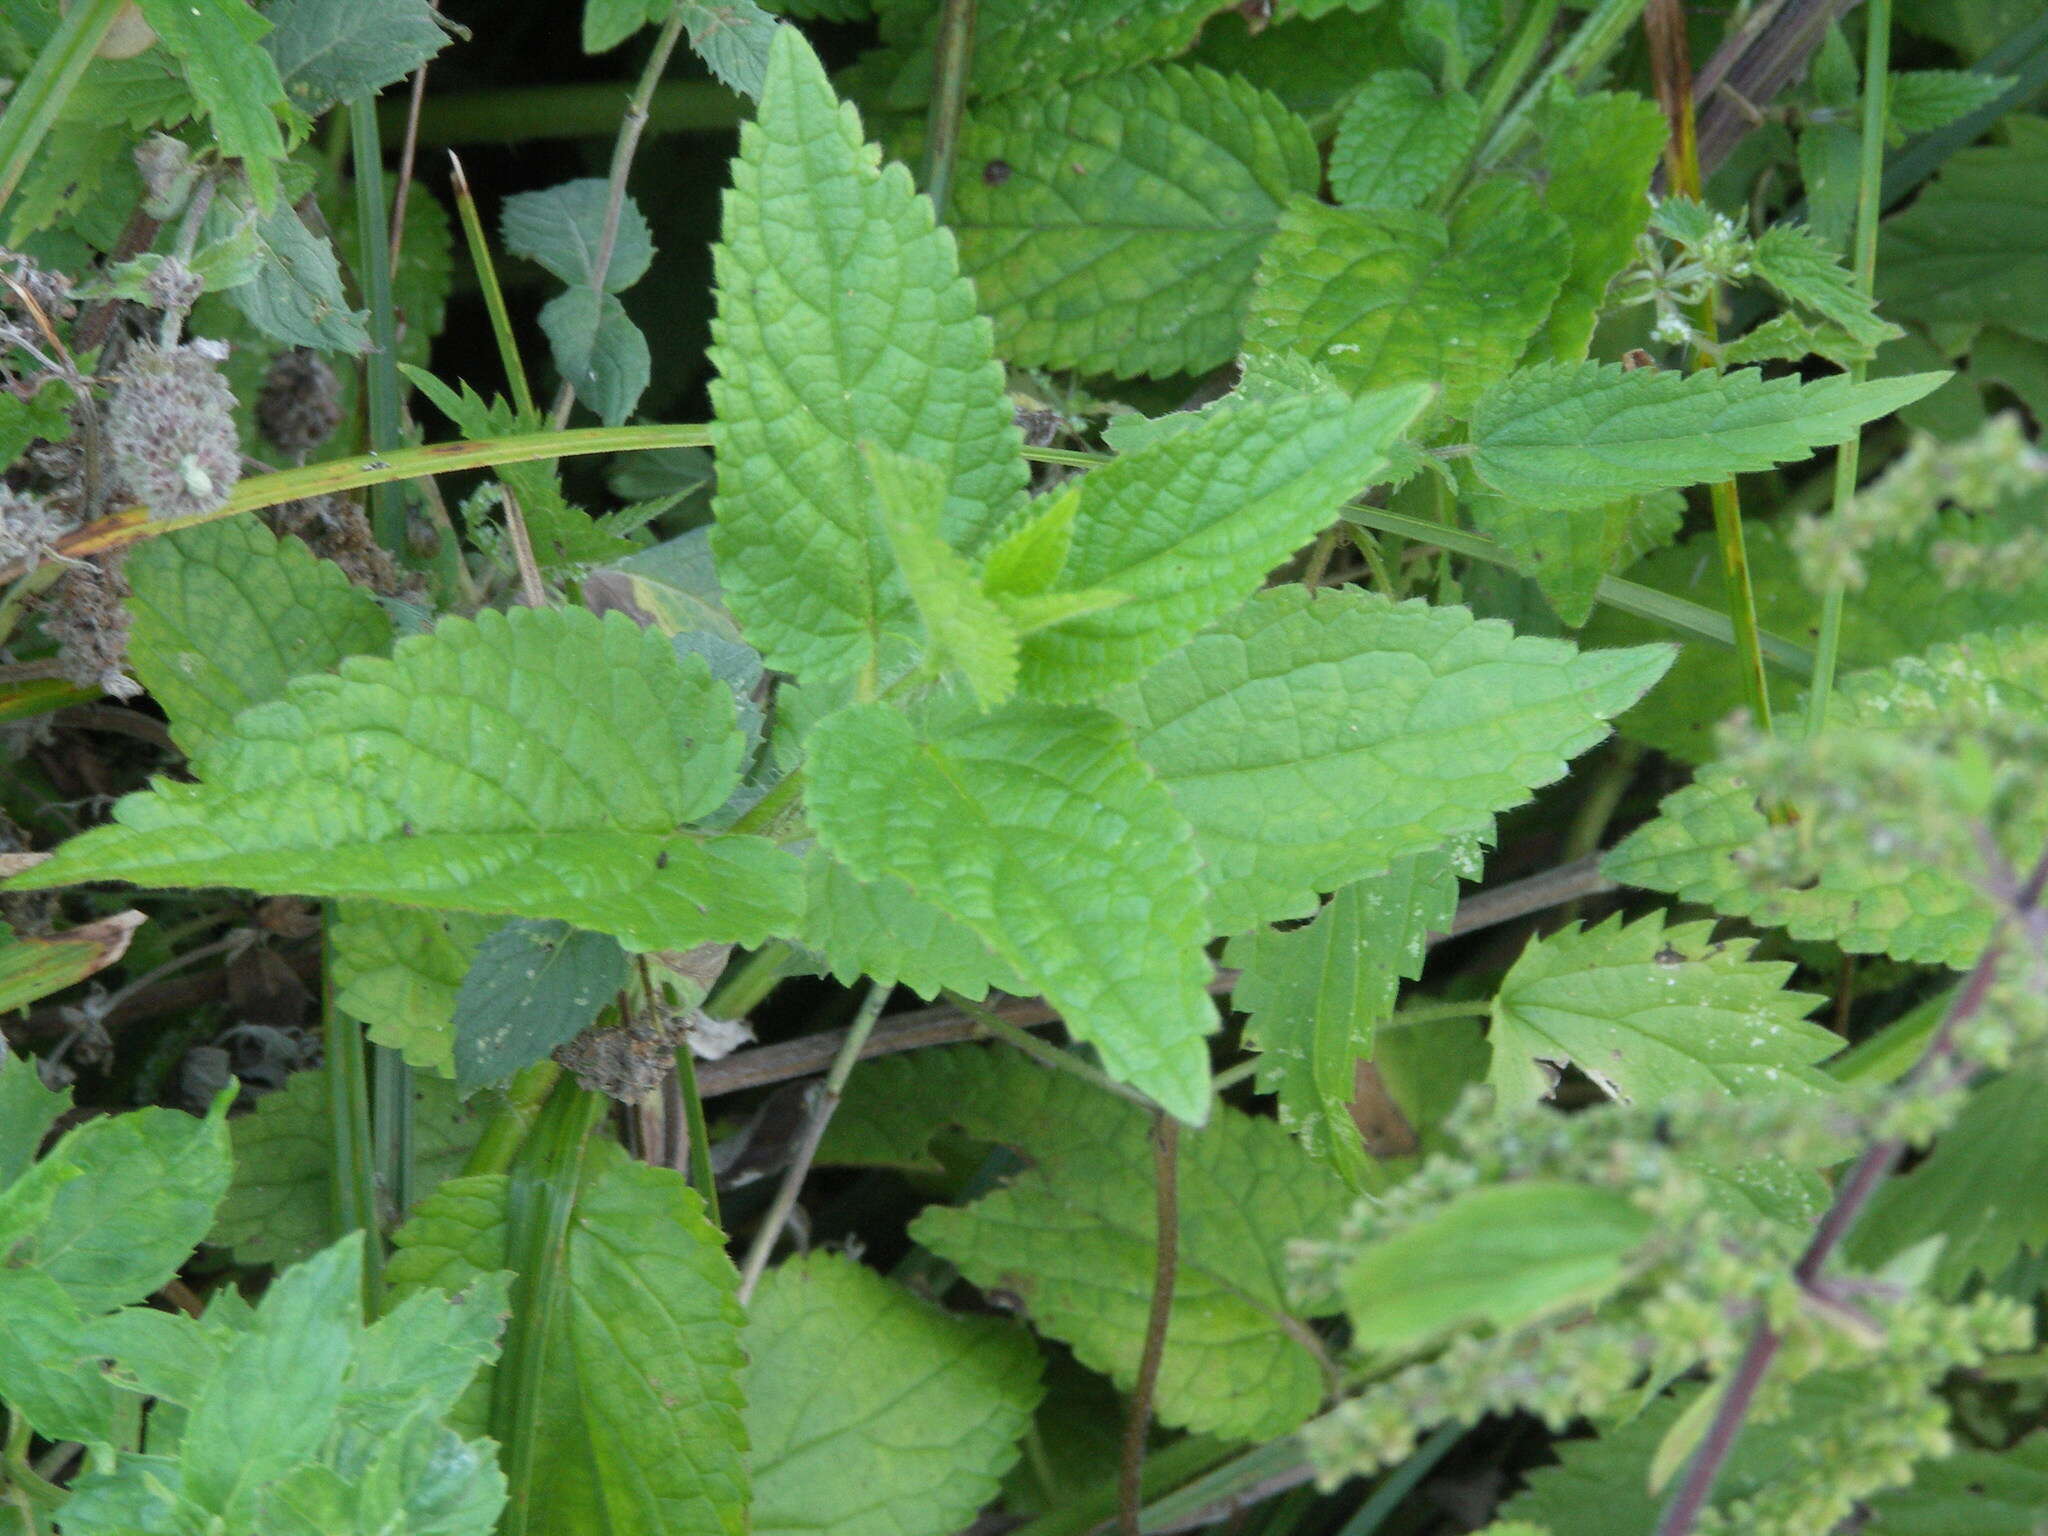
point(881, 929)
point(1399, 141)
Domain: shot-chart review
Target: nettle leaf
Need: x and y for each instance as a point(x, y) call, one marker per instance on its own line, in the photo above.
point(33, 966)
point(1968, 1493)
point(640, 1424)
point(216, 42)
point(1981, 1190)
point(842, 319)
point(338, 50)
point(46, 1372)
point(27, 1111)
point(608, 23)
point(1922, 100)
point(599, 350)
point(562, 228)
point(1071, 1235)
point(870, 1412)
point(226, 614)
point(1567, 550)
point(1039, 830)
point(1568, 435)
point(733, 38)
point(1382, 296)
point(1973, 247)
point(1313, 740)
point(1039, 44)
point(1313, 996)
point(45, 414)
point(398, 969)
point(1186, 527)
point(294, 293)
point(1399, 141)
point(1802, 267)
point(532, 986)
point(278, 1207)
point(1599, 152)
point(1703, 841)
point(880, 929)
point(1651, 1014)
point(1114, 227)
point(532, 764)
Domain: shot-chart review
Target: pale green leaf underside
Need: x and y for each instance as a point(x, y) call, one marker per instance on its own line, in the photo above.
point(1114, 227)
point(1909, 909)
point(1072, 1234)
point(1563, 435)
point(1039, 830)
point(227, 613)
point(1652, 1014)
point(1314, 740)
point(532, 764)
point(1187, 525)
point(870, 1412)
point(842, 319)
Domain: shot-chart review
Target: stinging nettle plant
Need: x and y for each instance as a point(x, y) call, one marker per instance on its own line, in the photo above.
point(1131, 584)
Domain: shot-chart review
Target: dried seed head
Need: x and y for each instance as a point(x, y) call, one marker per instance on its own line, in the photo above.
point(48, 291)
point(168, 175)
point(29, 525)
point(171, 427)
point(87, 617)
point(298, 407)
point(173, 286)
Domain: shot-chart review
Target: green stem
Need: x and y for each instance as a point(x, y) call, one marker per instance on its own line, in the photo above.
point(380, 368)
point(508, 1129)
point(539, 1200)
point(40, 97)
point(746, 986)
point(952, 63)
point(764, 812)
point(1870, 178)
point(391, 1127)
point(1591, 41)
point(494, 294)
point(1043, 1052)
point(1512, 66)
point(532, 114)
point(703, 1177)
point(353, 1175)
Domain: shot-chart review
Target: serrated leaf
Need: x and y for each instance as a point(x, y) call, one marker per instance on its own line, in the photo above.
point(1969, 1493)
point(842, 319)
point(1908, 909)
point(1399, 141)
point(1071, 1234)
point(1793, 260)
point(234, 80)
point(1502, 1254)
point(45, 414)
point(1922, 100)
point(964, 629)
point(1114, 227)
point(531, 764)
point(47, 1375)
point(278, 1206)
point(398, 969)
point(27, 1111)
point(337, 50)
point(1973, 247)
point(880, 929)
point(1031, 556)
point(1652, 1014)
point(732, 37)
point(871, 1412)
point(33, 966)
point(1187, 526)
point(1040, 831)
point(562, 228)
point(532, 986)
point(1314, 740)
point(1568, 435)
point(598, 350)
point(1385, 296)
point(639, 1423)
point(295, 295)
point(226, 614)
point(1313, 996)
point(1599, 152)
point(608, 23)
point(1564, 550)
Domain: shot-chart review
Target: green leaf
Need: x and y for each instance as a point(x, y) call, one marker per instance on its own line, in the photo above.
point(398, 969)
point(1315, 740)
point(964, 629)
point(27, 1111)
point(44, 415)
point(226, 614)
point(562, 228)
point(878, 928)
point(640, 1415)
point(1571, 435)
point(1599, 152)
point(598, 350)
point(733, 38)
point(295, 295)
point(532, 986)
point(1399, 142)
point(1922, 100)
point(235, 82)
point(842, 319)
point(1973, 247)
point(1652, 1014)
point(47, 1373)
point(870, 1411)
point(1700, 845)
point(1314, 995)
point(1969, 1493)
point(32, 967)
point(1382, 296)
point(278, 1206)
point(1188, 525)
point(533, 764)
point(1793, 260)
point(1114, 227)
point(338, 50)
point(1566, 551)
point(1502, 1254)
point(1040, 831)
point(1071, 1234)
point(608, 23)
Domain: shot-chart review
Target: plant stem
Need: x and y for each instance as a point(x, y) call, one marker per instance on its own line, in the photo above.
point(762, 814)
point(353, 1176)
point(1165, 1267)
point(952, 63)
point(391, 1125)
point(380, 368)
point(744, 988)
point(799, 1168)
point(703, 1177)
point(1512, 66)
point(1390, 1495)
point(40, 97)
point(1876, 67)
point(1591, 41)
point(508, 1129)
point(630, 129)
point(1043, 1052)
point(494, 294)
